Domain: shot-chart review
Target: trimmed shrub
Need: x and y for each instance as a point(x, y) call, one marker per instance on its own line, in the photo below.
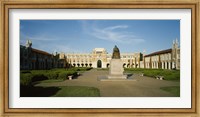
point(89, 68)
point(38, 77)
point(75, 73)
point(26, 79)
point(167, 74)
point(51, 75)
point(57, 72)
point(81, 68)
point(62, 75)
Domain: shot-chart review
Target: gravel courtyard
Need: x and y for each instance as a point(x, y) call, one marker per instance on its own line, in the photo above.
point(141, 86)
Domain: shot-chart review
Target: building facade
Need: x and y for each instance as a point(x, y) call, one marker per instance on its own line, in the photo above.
point(99, 58)
point(31, 58)
point(164, 59)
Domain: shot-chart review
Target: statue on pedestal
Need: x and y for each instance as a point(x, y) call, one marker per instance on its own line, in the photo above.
point(116, 66)
point(116, 53)
point(116, 70)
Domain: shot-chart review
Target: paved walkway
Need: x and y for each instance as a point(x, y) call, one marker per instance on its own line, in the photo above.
point(142, 86)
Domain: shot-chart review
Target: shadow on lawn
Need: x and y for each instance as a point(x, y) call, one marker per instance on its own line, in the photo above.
point(31, 91)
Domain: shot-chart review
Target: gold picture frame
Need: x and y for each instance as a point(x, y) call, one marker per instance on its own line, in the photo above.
point(108, 4)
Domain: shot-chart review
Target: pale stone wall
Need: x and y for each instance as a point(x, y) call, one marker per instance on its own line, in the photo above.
point(141, 64)
point(130, 60)
point(147, 62)
point(167, 60)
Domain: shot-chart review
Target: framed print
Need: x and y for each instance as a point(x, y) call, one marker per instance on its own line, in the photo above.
point(101, 57)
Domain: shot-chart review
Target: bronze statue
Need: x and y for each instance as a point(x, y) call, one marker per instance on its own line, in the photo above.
point(116, 53)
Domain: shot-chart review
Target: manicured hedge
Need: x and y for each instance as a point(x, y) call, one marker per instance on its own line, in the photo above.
point(167, 74)
point(38, 77)
point(29, 76)
point(26, 79)
point(51, 75)
point(63, 75)
point(81, 68)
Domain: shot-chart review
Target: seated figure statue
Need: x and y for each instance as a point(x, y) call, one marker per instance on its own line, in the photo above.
point(116, 53)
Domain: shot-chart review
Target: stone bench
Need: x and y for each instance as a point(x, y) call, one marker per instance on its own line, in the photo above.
point(142, 74)
point(70, 77)
point(160, 77)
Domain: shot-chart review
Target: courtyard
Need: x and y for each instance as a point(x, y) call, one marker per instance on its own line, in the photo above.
point(136, 85)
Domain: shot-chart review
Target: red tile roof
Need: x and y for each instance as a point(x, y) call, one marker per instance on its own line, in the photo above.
point(41, 52)
point(159, 52)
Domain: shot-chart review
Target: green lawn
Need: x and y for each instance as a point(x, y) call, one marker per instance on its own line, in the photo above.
point(102, 69)
point(47, 81)
point(175, 90)
point(77, 91)
point(168, 74)
point(62, 91)
point(29, 77)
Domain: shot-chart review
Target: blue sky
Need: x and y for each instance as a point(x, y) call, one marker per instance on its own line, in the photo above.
point(81, 36)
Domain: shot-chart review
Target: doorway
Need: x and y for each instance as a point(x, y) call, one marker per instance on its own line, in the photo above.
point(99, 64)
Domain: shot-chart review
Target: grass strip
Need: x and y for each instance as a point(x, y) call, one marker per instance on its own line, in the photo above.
point(175, 90)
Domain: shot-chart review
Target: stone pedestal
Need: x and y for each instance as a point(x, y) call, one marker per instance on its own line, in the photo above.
point(116, 69)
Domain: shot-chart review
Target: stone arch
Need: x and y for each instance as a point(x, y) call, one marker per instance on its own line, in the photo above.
point(128, 65)
point(99, 64)
point(108, 65)
point(136, 66)
point(124, 64)
point(133, 65)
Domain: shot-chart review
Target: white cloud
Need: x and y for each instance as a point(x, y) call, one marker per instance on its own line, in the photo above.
point(117, 33)
point(116, 27)
point(42, 37)
point(47, 43)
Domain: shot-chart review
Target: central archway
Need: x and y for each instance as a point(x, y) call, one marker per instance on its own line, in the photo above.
point(99, 64)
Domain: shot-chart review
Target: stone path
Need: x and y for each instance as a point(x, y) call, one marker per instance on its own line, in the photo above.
point(142, 87)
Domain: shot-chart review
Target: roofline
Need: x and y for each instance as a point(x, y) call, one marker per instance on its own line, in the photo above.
point(159, 52)
point(40, 51)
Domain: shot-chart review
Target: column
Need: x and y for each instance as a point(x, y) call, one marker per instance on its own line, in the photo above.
point(169, 63)
point(152, 65)
point(157, 65)
point(165, 65)
point(173, 65)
